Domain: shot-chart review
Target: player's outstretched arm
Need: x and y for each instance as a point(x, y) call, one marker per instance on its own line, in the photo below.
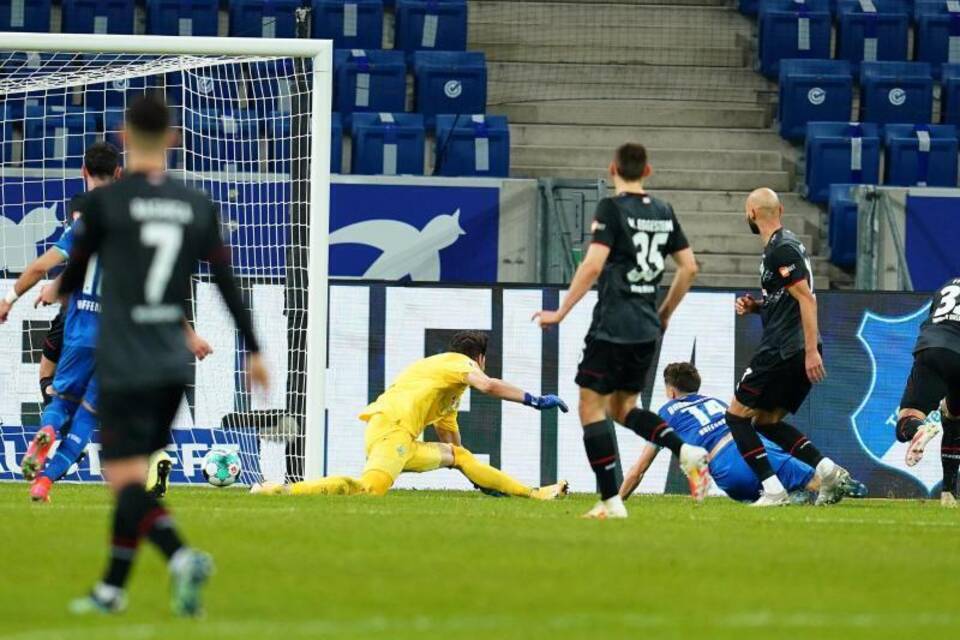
point(583, 280)
point(506, 391)
point(808, 316)
point(687, 271)
point(34, 273)
point(633, 478)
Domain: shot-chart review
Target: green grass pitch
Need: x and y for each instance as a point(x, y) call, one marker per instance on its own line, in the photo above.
point(462, 565)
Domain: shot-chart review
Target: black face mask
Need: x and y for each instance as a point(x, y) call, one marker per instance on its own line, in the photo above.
point(753, 227)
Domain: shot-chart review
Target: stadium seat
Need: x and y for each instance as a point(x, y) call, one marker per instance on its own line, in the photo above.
point(388, 144)
point(840, 152)
point(474, 145)
point(748, 7)
point(264, 18)
point(57, 137)
point(450, 82)
point(183, 17)
point(813, 90)
point(434, 25)
point(870, 30)
point(937, 38)
point(97, 16)
point(842, 226)
point(23, 64)
point(221, 140)
point(351, 24)
point(277, 131)
point(792, 29)
point(25, 15)
point(950, 94)
point(896, 92)
point(369, 81)
point(921, 155)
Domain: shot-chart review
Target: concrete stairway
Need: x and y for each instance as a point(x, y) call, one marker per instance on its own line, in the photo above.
point(576, 79)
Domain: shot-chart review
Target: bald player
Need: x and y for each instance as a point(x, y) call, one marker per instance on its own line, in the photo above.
point(786, 364)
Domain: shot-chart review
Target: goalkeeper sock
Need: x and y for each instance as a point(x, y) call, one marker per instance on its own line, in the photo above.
point(750, 446)
point(332, 486)
point(600, 442)
point(792, 441)
point(485, 476)
point(652, 428)
point(950, 453)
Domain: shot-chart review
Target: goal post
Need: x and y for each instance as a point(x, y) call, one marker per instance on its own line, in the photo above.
point(234, 100)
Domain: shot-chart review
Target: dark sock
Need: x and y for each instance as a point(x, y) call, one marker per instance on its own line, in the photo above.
point(950, 453)
point(907, 428)
point(130, 509)
point(792, 441)
point(650, 426)
point(158, 527)
point(750, 446)
point(600, 441)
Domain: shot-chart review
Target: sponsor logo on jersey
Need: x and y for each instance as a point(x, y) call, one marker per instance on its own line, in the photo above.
point(597, 226)
point(786, 270)
point(888, 342)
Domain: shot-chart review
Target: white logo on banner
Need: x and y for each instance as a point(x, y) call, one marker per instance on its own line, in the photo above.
point(453, 89)
point(897, 97)
point(407, 251)
point(816, 96)
point(19, 240)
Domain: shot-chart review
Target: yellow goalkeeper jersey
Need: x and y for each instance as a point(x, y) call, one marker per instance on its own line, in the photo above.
point(426, 393)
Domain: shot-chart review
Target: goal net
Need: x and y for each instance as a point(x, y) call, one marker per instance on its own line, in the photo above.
point(253, 132)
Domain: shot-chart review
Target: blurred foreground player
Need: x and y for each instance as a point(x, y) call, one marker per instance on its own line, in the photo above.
point(428, 393)
point(633, 233)
point(935, 380)
point(786, 364)
point(148, 231)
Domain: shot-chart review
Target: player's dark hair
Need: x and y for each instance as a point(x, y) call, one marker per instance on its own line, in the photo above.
point(148, 114)
point(630, 161)
point(472, 344)
point(682, 376)
point(101, 160)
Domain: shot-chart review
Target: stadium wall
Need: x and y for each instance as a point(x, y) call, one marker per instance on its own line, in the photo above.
point(376, 329)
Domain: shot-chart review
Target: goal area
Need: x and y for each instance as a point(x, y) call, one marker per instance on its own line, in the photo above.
point(252, 118)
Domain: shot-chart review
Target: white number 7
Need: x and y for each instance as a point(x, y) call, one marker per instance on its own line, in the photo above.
point(166, 238)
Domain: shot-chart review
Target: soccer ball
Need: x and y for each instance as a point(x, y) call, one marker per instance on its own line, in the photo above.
point(221, 468)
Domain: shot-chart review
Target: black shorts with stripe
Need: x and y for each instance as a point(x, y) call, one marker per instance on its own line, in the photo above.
point(935, 376)
point(772, 382)
point(137, 422)
point(607, 366)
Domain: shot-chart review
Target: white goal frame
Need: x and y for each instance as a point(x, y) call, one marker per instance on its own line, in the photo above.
point(321, 52)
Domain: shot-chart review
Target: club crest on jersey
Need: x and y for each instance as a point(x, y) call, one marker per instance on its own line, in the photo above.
point(888, 341)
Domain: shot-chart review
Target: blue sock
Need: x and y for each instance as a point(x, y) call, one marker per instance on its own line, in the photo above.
point(73, 445)
point(57, 413)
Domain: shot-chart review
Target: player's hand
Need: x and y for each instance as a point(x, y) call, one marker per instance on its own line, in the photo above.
point(815, 369)
point(547, 318)
point(746, 304)
point(257, 371)
point(664, 320)
point(199, 347)
point(4, 310)
point(49, 294)
point(542, 403)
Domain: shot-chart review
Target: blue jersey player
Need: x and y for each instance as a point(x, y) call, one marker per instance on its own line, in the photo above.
point(699, 420)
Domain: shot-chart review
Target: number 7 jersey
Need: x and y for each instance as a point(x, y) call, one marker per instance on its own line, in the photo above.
point(641, 231)
point(941, 329)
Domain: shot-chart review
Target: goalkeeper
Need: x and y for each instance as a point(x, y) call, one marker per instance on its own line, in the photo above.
point(428, 392)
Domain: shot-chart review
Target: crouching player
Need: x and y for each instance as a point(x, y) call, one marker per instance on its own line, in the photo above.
point(427, 393)
point(699, 420)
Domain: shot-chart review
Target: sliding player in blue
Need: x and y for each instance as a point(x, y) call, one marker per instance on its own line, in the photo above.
point(699, 420)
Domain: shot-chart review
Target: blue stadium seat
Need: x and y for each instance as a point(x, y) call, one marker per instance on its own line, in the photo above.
point(792, 29)
point(474, 145)
point(748, 7)
point(97, 16)
point(369, 81)
point(211, 87)
point(950, 94)
point(264, 18)
point(870, 30)
point(896, 92)
point(842, 226)
point(22, 65)
point(25, 15)
point(57, 137)
point(921, 155)
point(432, 25)
point(183, 17)
point(813, 90)
point(351, 24)
point(221, 140)
point(938, 27)
point(388, 144)
point(336, 143)
point(450, 82)
point(840, 152)
point(278, 131)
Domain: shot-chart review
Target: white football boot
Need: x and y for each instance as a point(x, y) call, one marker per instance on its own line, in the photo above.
point(779, 499)
point(924, 435)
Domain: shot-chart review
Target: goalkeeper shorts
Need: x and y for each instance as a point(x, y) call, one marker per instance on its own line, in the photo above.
point(392, 450)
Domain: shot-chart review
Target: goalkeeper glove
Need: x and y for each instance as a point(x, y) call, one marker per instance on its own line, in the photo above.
point(544, 402)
